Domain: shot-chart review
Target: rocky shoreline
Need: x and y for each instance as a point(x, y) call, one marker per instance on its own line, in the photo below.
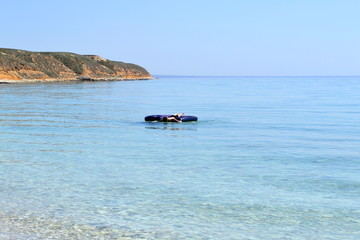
point(52, 80)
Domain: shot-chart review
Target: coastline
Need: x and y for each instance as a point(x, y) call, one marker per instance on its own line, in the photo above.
point(21, 66)
point(11, 81)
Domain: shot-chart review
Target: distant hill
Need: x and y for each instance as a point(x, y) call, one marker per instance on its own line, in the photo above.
point(19, 65)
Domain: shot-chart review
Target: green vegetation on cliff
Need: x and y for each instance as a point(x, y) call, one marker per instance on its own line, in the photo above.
point(22, 65)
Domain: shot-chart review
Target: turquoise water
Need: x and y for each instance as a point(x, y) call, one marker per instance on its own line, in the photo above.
point(269, 158)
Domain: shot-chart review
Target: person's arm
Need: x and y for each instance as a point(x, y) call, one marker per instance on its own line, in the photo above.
point(178, 115)
point(173, 119)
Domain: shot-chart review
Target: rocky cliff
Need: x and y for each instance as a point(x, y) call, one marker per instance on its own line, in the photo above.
point(20, 65)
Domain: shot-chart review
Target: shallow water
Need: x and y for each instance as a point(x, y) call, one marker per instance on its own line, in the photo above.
point(269, 158)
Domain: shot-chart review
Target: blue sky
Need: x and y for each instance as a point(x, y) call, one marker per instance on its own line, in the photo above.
point(195, 37)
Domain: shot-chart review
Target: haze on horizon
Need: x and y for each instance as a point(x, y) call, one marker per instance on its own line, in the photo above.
point(211, 38)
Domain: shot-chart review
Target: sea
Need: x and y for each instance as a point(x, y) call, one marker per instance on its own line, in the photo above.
point(269, 158)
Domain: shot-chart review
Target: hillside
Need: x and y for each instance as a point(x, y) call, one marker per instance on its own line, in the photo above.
point(19, 65)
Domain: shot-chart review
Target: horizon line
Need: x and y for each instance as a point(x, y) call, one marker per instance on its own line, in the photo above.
point(170, 75)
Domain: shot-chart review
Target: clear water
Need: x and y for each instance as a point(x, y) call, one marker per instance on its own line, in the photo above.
point(270, 158)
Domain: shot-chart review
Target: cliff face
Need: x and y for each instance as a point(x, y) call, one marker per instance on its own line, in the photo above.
point(20, 65)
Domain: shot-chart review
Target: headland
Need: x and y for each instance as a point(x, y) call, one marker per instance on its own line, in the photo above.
point(26, 66)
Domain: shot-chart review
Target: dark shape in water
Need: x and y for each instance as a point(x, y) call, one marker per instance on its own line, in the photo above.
point(159, 118)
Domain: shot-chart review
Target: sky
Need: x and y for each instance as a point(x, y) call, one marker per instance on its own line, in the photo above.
point(195, 37)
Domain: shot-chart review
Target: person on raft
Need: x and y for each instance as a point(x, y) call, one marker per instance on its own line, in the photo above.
point(172, 118)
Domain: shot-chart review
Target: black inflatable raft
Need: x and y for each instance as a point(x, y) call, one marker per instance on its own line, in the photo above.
point(158, 118)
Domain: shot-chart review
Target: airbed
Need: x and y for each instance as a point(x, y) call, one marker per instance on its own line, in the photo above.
point(159, 118)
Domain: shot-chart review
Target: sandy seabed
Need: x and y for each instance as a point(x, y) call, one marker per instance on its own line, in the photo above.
point(28, 227)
